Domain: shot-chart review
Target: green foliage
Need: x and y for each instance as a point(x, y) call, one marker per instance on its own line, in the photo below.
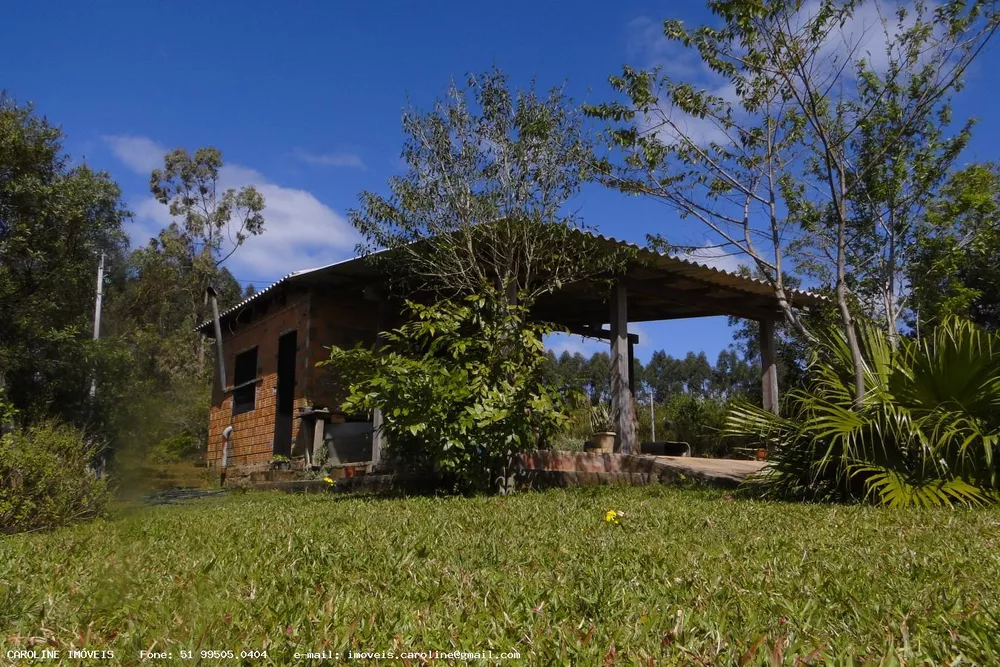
point(697, 421)
point(601, 419)
point(825, 147)
point(56, 218)
point(955, 268)
point(189, 186)
point(156, 297)
point(483, 200)
point(690, 578)
point(927, 436)
point(45, 479)
point(177, 447)
point(459, 386)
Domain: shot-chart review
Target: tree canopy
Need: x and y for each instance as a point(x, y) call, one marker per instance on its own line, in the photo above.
point(56, 218)
point(490, 172)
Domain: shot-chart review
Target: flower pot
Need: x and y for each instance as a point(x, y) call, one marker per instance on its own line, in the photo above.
point(761, 453)
point(605, 441)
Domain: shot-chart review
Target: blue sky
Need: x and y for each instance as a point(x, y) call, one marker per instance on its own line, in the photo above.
point(305, 99)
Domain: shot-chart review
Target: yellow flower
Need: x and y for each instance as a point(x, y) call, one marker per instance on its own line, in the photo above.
point(329, 481)
point(614, 517)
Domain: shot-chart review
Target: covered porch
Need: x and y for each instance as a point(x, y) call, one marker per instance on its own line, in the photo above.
point(658, 287)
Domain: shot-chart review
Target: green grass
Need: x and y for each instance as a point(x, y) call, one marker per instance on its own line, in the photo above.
point(691, 576)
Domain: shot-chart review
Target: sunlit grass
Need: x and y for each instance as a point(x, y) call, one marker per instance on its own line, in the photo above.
point(688, 576)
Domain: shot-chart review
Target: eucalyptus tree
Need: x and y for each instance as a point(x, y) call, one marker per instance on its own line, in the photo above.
point(820, 124)
point(212, 222)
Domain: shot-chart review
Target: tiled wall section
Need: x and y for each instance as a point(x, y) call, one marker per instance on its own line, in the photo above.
point(321, 319)
point(253, 431)
point(342, 319)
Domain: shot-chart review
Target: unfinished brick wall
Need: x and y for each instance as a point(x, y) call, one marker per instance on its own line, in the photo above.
point(344, 320)
point(321, 318)
point(253, 431)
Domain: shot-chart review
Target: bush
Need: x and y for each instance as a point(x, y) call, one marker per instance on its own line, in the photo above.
point(927, 433)
point(697, 421)
point(460, 389)
point(45, 480)
point(176, 448)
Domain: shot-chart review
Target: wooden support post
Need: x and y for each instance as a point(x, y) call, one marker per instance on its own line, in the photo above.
point(318, 443)
point(377, 438)
point(621, 394)
point(768, 370)
point(631, 367)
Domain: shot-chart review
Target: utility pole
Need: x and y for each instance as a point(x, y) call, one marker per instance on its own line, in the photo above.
point(652, 417)
point(97, 313)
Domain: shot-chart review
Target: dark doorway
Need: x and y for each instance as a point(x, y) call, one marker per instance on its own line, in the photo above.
point(286, 394)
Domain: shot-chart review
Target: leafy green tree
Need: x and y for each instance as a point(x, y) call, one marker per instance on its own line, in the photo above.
point(812, 136)
point(483, 200)
point(214, 222)
point(955, 268)
point(733, 377)
point(458, 387)
point(663, 375)
point(598, 377)
point(56, 218)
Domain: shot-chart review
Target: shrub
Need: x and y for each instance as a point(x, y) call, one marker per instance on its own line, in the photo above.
point(45, 480)
point(697, 421)
point(460, 389)
point(927, 433)
point(176, 448)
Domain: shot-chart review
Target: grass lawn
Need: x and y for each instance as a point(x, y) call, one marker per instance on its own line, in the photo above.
point(690, 576)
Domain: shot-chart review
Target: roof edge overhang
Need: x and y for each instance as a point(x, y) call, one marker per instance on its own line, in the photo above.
point(703, 272)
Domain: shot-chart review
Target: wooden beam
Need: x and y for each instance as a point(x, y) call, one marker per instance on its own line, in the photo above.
point(769, 369)
point(621, 395)
point(704, 299)
point(603, 334)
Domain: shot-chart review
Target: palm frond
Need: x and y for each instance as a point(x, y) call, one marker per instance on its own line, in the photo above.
point(928, 433)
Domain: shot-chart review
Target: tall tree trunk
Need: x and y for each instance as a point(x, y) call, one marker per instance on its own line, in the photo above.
point(891, 311)
point(842, 305)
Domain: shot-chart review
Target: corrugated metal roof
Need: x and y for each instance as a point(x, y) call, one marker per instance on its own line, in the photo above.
point(729, 279)
point(675, 264)
point(257, 295)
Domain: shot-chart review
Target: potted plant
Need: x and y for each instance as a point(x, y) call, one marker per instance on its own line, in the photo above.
point(602, 424)
point(280, 462)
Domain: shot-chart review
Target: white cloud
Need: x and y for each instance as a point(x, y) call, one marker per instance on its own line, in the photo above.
point(300, 231)
point(331, 159)
point(869, 33)
point(712, 255)
point(140, 154)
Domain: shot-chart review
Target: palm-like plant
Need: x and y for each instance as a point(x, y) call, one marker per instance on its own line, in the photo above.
point(927, 434)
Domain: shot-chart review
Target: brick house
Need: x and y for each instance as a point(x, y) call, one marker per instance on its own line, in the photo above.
point(274, 394)
point(271, 343)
